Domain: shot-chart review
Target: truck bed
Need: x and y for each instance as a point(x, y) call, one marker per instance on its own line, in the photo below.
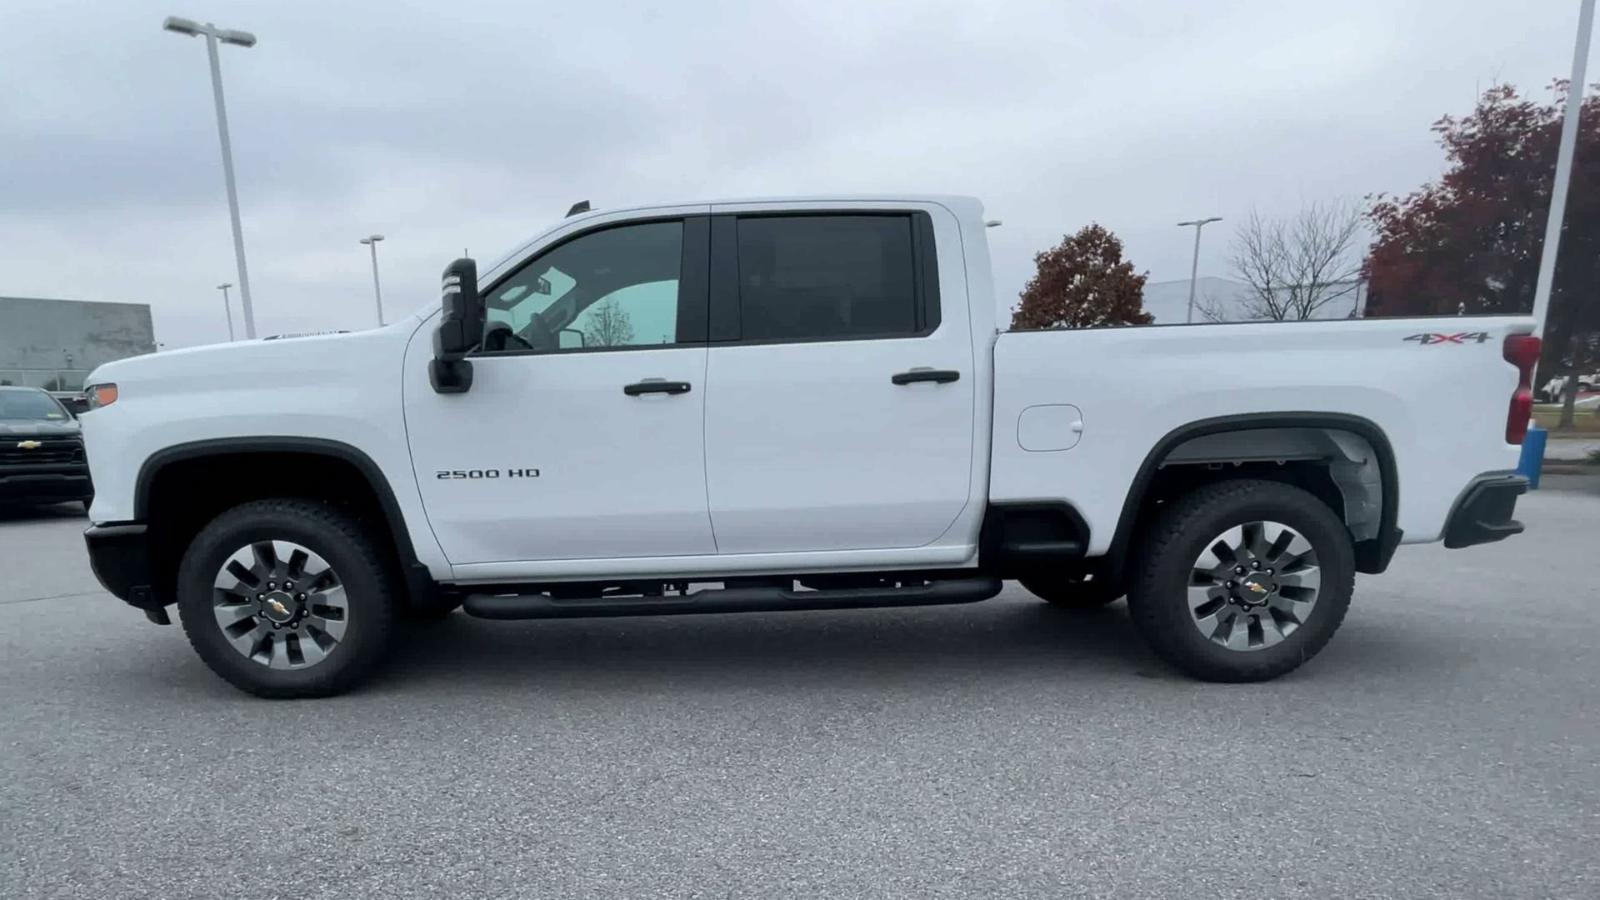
point(1436, 390)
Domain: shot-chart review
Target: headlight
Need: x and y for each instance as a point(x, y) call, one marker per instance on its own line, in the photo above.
point(101, 395)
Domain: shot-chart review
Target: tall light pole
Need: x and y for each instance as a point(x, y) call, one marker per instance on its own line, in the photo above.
point(377, 292)
point(227, 309)
point(1194, 268)
point(1564, 151)
point(213, 34)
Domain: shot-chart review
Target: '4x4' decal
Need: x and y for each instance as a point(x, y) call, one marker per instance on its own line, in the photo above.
point(1430, 338)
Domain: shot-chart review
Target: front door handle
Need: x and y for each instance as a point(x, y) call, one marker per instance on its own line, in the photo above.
point(937, 376)
point(656, 386)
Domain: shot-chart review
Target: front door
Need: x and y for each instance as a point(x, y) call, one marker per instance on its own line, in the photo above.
point(840, 390)
point(582, 436)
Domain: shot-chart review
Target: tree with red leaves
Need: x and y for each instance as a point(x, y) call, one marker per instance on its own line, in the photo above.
point(1470, 242)
point(1083, 282)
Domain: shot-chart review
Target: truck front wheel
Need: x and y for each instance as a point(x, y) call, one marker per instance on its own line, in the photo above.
point(1242, 580)
point(286, 598)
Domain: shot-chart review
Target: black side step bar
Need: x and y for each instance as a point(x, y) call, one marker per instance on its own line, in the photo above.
point(731, 599)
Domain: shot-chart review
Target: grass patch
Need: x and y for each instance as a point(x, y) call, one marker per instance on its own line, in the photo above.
point(1584, 421)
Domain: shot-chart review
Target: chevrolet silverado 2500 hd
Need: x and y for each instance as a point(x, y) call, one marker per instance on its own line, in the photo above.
point(786, 405)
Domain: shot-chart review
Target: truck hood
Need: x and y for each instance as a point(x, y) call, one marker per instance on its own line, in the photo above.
point(289, 362)
point(37, 427)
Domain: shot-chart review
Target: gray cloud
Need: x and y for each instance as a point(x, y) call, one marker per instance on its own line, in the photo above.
point(475, 124)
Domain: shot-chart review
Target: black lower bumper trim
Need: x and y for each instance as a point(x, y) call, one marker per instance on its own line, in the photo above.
point(732, 599)
point(45, 486)
point(119, 554)
point(1483, 512)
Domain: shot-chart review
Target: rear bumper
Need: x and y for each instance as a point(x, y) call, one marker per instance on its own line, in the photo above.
point(1482, 514)
point(119, 553)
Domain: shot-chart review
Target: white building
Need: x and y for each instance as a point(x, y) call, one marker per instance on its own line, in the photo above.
point(55, 343)
point(1168, 301)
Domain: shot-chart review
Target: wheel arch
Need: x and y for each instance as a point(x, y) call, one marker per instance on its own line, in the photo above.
point(1372, 554)
point(347, 473)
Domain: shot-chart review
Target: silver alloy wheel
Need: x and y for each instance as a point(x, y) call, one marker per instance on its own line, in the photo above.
point(280, 604)
point(1254, 585)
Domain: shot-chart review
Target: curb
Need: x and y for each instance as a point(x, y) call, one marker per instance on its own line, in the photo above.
point(1570, 469)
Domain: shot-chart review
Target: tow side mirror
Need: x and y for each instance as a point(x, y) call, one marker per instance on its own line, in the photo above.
point(460, 328)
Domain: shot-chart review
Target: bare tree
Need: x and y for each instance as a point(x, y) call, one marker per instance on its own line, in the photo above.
point(1213, 309)
point(1294, 267)
point(609, 326)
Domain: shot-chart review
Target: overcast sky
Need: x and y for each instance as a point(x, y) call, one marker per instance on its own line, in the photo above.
point(473, 125)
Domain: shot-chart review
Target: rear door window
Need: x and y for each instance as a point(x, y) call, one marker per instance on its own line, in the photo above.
point(828, 277)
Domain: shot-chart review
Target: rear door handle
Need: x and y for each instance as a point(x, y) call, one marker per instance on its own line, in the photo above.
point(937, 376)
point(656, 386)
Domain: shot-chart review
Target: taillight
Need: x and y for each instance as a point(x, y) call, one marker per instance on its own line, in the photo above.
point(1522, 351)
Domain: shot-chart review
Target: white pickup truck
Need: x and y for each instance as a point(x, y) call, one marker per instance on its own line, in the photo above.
point(786, 405)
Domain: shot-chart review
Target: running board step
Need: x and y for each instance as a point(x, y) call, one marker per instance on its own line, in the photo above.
point(730, 600)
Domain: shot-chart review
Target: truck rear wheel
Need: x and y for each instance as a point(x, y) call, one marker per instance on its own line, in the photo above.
point(1072, 591)
point(1242, 580)
point(286, 598)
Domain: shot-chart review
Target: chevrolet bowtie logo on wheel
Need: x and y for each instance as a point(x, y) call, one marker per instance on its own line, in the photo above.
point(1255, 587)
point(29, 445)
point(277, 606)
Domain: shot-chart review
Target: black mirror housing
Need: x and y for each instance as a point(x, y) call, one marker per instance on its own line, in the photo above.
point(460, 328)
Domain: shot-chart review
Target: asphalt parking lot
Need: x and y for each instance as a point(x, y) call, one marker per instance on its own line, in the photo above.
point(1446, 744)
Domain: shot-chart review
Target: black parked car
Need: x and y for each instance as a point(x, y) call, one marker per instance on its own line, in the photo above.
point(41, 450)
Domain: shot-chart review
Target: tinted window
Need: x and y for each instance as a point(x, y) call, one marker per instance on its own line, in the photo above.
point(611, 288)
point(818, 277)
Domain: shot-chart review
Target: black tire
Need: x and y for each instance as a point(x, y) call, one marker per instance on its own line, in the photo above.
point(370, 591)
point(1074, 592)
point(1157, 599)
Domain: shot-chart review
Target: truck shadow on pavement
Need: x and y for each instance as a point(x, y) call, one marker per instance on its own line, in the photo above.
point(746, 649)
point(23, 514)
point(1003, 644)
point(1000, 641)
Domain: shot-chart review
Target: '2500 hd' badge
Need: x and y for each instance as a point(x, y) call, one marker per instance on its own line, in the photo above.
point(451, 474)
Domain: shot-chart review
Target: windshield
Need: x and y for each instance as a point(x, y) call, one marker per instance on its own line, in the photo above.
point(35, 405)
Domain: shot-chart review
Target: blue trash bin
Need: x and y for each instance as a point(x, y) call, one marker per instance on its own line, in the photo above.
point(1532, 461)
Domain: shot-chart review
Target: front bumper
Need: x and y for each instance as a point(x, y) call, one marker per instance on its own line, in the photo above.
point(45, 484)
point(119, 554)
point(1482, 514)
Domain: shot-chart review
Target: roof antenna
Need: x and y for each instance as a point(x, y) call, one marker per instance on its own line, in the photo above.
point(582, 206)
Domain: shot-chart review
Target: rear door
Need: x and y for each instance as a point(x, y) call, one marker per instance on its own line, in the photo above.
point(839, 393)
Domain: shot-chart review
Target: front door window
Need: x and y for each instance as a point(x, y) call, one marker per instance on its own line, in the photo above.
point(606, 289)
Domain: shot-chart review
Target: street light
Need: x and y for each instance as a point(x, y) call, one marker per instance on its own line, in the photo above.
point(227, 309)
point(213, 34)
point(376, 291)
point(1194, 269)
point(1563, 175)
